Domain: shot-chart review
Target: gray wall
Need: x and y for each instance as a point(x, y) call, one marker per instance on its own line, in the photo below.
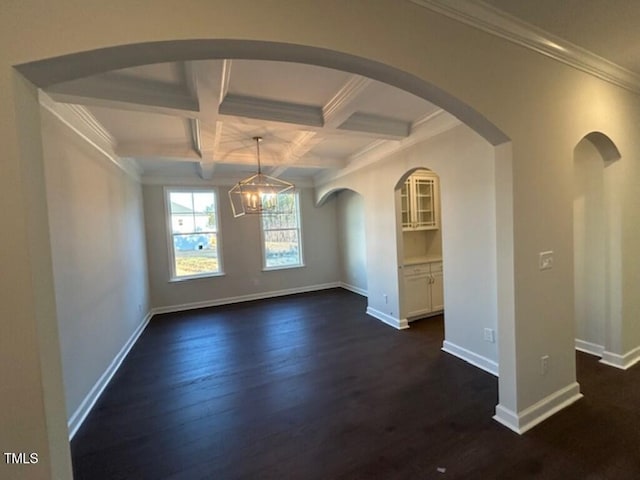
point(352, 240)
point(98, 254)
point(242, 255)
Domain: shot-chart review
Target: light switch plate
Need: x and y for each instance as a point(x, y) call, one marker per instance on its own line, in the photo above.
point(489, 335)
point(546, 260)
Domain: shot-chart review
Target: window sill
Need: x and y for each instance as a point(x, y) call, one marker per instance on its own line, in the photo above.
point(196, 277)
point(282, 267)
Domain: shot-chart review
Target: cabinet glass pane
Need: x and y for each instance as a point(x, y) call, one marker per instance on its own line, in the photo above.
point(406, 205)
point(424, 212)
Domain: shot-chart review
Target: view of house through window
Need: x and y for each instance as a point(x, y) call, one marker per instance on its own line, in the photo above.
point(194, 233)
point(282, 239)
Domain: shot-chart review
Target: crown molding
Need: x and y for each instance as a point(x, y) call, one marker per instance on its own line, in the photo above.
point(496, 22)
point(83, 123)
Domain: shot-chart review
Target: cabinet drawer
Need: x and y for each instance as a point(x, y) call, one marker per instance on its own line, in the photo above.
point(436, 267)
point(419, 269)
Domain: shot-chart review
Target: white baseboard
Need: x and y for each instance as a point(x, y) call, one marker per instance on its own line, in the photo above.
point(244, 298)
point(589, 347)
point(538, 412)
point(470, 357)
point(92, 397)
point(397, 323)
point(354, 289)
point(622, 362)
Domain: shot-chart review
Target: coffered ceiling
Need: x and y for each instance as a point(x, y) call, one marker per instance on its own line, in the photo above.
point(199, 118)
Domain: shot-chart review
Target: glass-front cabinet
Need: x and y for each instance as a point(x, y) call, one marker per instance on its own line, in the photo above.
point(419, 197)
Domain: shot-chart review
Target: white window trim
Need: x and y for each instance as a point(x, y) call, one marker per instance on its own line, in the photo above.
point(169, 234)
point(265, 268)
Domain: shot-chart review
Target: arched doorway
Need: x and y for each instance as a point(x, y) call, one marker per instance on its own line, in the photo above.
point(49, 72)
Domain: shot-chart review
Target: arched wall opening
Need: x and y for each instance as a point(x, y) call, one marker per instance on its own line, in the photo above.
point(51, 71)
point(352, 239)
point(419, 244)
point(597, 244)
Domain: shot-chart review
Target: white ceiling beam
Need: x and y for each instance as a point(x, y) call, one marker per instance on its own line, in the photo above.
point(345, 102)
point(264, 125)
point(378, 125)
point(124, 92)
point(308, 161)
point(262, 109)
point(208, 81)
point(205, 170)
point(180, 152)
point(340, 112)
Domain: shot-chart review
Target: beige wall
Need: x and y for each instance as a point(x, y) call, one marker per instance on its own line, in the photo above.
point(590, 244)
point(542, 106)
point(352, 240)
point(99, 256)
point(241, 254)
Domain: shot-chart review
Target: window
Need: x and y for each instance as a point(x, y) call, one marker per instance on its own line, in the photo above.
point(281, 235)
point(194, 244)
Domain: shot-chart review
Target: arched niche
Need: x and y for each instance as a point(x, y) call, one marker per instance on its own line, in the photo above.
point(596, 247)
point(605, 146)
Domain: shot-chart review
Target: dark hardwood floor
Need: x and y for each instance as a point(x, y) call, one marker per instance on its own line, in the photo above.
point(309, 387)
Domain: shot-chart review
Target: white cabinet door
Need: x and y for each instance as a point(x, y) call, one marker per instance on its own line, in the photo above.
point(420, 202)
point(405, 199)
point(424, 211)
point(416, 294)
point(437, 292)
point(423, 289)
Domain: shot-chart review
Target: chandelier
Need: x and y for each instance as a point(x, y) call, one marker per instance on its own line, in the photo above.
point(259, 193)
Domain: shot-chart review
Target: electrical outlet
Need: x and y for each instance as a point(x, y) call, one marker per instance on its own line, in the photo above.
point(386, 298)
point(489, 335)
point(544, 364)
point(546, 260)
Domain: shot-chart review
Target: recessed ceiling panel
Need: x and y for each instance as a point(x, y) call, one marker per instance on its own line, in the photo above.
point(387, 101)
point(341, 146)
point(170, 73)
point(284, 81)
point(138, 127)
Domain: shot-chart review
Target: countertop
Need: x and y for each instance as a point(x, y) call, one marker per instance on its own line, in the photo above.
point(425, 259)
